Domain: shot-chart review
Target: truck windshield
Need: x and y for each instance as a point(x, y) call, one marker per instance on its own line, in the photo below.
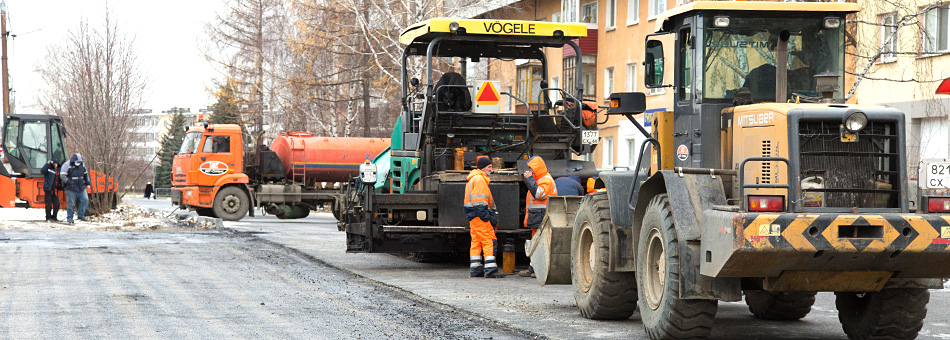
point(190, 143)
point(743, 55)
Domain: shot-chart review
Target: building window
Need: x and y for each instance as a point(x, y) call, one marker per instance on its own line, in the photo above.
point(656, 91)
point(608, 82)
point(556, 17)
point(656, 7)
point(935, 30)
point(570, 75)
point(631, 80)
point(590, 83)
point(633, 149)
point(529, 83)
point(611, 13)
point(555, 84)
point(888, 37)
point(510, 101)
point(608, 155)
point(589, 12)
point(569, 10)
point(633, 12)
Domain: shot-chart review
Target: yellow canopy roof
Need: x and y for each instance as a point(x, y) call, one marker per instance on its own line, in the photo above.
point(756, 6)
point(437, 26)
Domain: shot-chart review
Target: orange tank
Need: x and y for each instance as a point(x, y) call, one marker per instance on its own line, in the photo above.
point(324, 159)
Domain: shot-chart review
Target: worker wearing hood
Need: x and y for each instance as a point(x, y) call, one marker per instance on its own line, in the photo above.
point(51, 188)
point(76, 178)
point(540, 186)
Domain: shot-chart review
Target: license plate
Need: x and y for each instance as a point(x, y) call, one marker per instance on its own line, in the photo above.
point(937, 175)
point(590, 137)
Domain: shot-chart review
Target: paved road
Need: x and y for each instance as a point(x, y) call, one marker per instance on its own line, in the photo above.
point(520, 303)
point(203, 285)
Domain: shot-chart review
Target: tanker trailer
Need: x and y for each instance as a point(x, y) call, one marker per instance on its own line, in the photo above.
point(299, 172)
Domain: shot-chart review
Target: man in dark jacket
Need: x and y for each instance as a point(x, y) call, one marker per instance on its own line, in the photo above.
point(76, 178)
point(51, 189)
point(569, 186)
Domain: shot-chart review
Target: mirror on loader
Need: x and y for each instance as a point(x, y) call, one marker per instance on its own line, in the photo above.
point(654, 64)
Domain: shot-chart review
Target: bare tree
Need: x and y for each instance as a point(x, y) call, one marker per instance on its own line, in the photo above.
point(246, 44)
point(887, 31)
point(94, 81)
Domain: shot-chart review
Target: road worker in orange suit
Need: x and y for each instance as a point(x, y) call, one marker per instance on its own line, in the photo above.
point(482, 219)
point(540, 186)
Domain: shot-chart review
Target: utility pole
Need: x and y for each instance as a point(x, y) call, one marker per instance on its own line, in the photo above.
point(3, 58)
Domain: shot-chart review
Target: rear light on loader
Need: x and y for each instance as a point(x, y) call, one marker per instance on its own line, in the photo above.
point(767, 203)
point(938, 204)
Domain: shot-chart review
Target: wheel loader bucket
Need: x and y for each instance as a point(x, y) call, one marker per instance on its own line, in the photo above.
point(550, 248)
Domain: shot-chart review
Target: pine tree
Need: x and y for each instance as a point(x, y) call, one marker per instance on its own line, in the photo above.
point(171, 142)
point(226, 109)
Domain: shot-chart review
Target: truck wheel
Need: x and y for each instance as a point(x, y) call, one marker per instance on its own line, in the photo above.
point(779, 306)
point(600, 294)
point(231, 204)
point(888, 314)
point(205, 212)
point(664, 314)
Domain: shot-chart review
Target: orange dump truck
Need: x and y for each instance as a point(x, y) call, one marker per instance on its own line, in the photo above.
point(215, 177)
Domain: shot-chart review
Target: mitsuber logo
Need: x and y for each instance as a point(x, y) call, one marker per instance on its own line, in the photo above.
point(213, 168)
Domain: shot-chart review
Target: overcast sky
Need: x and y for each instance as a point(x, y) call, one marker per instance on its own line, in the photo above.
point(168, 35)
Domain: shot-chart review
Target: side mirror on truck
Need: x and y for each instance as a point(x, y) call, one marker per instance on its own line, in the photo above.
point(653, 61)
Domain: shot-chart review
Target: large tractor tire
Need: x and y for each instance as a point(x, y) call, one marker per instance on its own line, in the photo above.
point(663, 313)
point(600, 294)
point(231, 204)
point(888, 314)
point(779, 306)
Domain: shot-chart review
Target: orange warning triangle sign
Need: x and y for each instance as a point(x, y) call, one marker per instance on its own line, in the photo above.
point(487, 94)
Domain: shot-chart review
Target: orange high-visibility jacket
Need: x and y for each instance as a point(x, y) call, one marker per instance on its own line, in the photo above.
point(540, 187)
point(478, 197)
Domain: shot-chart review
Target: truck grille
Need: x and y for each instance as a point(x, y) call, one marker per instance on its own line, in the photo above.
point(863, 174)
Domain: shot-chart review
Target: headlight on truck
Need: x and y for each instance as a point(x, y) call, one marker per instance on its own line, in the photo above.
point(855, 121)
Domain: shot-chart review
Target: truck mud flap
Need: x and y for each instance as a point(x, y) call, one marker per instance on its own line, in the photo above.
point(826, 247)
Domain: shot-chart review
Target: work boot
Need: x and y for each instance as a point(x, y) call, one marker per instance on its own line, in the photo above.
point(496, 275)
point(70, 222)
point(527, 273)
point(83, 219)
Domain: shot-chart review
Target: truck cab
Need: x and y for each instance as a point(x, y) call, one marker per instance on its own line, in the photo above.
point(211, 160)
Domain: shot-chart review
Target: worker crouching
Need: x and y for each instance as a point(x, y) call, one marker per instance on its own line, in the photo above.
point(480, 210)
point(540, 186)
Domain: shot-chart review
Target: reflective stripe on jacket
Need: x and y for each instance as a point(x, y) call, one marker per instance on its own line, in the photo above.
point(539, 189)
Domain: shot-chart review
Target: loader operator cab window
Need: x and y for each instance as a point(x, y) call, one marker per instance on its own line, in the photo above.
point(742, 55)
point(35, 143)
point(190, 143)
point(217, 144)
point(684, 91)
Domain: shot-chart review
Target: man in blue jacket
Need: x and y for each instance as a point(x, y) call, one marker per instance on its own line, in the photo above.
point(76, 178)
point(51, 189)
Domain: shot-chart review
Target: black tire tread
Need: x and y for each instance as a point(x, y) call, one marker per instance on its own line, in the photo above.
point(888, 314)
point(779, 306)
point(685, 319)
point(612, 295)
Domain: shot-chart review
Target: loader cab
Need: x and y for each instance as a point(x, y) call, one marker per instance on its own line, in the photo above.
point(724, 54)
point(32, 140)
point(207, 152)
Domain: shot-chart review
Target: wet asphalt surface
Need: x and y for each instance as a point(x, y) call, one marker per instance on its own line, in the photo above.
point(204, 284)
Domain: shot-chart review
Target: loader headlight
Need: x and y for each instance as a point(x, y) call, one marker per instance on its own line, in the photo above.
point(855, 121)
point(453, 26)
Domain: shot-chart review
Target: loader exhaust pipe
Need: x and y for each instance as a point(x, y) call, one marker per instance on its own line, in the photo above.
point(781, 67)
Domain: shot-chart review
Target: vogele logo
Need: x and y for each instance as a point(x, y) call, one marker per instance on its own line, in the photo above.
point(213, 168)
